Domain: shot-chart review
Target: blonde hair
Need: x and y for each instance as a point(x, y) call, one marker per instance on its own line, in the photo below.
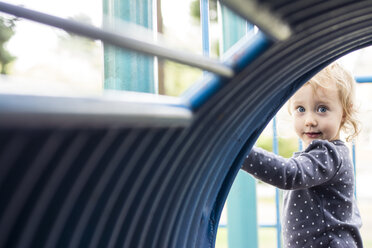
point(346, 89)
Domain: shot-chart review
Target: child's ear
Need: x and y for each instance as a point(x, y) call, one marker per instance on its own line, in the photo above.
point(349, 109)
point(343, 120)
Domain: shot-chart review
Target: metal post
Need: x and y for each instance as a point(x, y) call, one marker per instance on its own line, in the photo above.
point(241, 207)
point(354, 165)
point(204, 17)
point(123, 69)
point(242, 213)
point(277, 192)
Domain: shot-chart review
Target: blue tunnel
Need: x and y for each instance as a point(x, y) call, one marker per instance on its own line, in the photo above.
point(126, 172)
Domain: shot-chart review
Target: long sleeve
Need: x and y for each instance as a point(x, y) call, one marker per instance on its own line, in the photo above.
point(320, 208)
point(316, 165)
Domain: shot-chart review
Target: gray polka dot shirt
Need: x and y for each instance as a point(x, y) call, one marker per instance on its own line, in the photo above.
point(319, 205)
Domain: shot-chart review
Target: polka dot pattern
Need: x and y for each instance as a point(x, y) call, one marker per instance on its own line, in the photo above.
point(319, 205)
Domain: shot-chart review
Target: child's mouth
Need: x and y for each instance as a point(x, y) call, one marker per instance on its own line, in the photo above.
point(313, 135)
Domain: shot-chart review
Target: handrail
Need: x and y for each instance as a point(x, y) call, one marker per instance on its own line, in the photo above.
point(363, 79)
point(112, 109)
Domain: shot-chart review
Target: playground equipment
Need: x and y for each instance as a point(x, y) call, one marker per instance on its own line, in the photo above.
point(124, 171)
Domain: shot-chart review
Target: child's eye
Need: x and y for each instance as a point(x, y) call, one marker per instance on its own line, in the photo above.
point(322, 109)
point(300, 109)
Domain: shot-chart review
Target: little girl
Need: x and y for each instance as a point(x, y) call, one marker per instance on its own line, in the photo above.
point(319, 205)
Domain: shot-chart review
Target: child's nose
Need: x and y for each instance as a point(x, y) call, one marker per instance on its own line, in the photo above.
point(310, 120)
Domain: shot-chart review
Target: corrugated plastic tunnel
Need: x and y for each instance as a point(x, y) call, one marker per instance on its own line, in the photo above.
point(102, 183)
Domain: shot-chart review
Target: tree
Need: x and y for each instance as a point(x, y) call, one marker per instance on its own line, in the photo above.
point(7, 27)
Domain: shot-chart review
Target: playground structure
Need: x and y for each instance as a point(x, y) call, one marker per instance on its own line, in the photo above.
point(156, 171)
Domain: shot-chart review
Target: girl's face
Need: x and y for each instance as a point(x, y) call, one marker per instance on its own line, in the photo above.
point(317, 114)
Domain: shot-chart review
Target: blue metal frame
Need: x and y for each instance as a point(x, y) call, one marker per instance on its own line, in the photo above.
point(363, 79)
point(204, 17)
point(354, 164)
point(358, 79)
point(278, 225)
point(248, 49)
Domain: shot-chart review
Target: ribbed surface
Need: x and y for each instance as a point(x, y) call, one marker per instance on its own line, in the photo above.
point(163, 187)
point(74, 188)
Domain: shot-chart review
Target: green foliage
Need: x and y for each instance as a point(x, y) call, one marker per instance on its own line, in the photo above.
point(215, 48)
point(195, 10)
point(177, 77)
point(287, 146)
point(6, 32)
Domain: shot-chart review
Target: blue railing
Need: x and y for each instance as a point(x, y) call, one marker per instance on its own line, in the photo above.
point(277, 225)
point(204, 17)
